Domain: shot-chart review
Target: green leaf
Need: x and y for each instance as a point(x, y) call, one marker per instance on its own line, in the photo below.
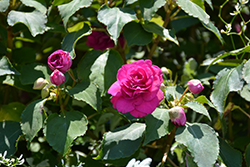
point(199, 108)
point(245, 92)
point(150, 7)
point(115, 143)
point(38, 4)
point(11, 112)
point(6, 67)
point(70, 40)
point(247, 155)
point(230, 156)
point(201, 141)
point(4, 4)
point(87, 92)
point(246, 71)
point(61, 130)
point(31, 72)
point(231, 53)
point(203, 100)
point(67, 10)
point(159, 30)
point(209, 2)
point(9, 133)
point(211, 27)
point(173, 92)
point(128, 2)
point(226, 81)
point(157, 125)
point(193, 10)
point(136, 35)
point(32, 119)
point(35, 21)
point(190, 67)
point(115, 18)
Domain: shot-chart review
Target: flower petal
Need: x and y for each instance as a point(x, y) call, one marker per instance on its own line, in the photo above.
point(115, 89)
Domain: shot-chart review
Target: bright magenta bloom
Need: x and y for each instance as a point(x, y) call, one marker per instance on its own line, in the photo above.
point(137, 89)
point(57, 77)
point(195, 86)
point(177, 116)
point(59, 60)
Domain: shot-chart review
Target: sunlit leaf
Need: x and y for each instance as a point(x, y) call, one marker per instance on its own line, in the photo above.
point(245, 92)
point(38, 4)
point(201, 140)
point(246, 71)
point(193, 10)
point(67, 10)
point(35, 21)
point(226, 81)
point(199, 108)
point(211, 27)
point(150, 7)
point(9, 133)
point(4, 4)
point(128, 2)
point(115, 18)
point(6, 67)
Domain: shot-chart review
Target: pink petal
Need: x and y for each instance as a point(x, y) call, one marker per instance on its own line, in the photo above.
point(136, 113)
point(124, 105)
point(148, 106)
point(115, 89)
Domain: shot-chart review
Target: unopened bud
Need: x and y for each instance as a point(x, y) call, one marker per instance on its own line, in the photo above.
point(57, 77)
point(195, 86)
point(177, 116)
point(40, 83)
point(165, 70)
point(45, 92)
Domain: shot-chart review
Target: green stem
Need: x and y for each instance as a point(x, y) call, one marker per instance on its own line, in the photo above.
point(168, 146)
point(60, 100)
point(182, 96)
point(221, 10)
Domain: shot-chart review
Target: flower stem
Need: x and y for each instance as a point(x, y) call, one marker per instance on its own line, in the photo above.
point(60, 100)
point(182, 96)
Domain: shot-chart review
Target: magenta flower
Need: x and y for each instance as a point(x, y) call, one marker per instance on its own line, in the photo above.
point(195, 86)
point(57, 77)
point(137, 89)
point(59, 60)
point(177, 116)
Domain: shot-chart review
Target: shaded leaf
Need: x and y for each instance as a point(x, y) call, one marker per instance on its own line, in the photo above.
point(201, 141)
point(247, 155)
point(230, 156)
point(6, 67)
point(38, 4)
point(115, 143)
point(32, 119)
point(70, 40)
point(159, 30)
point(173, 92)
point(199, 108)
point(4, 4)
point(35, 21)
point(203, 100)
point(193, 10)
point(136, 35)
point(246, 71)
point(115, 18)
point(11, 112)
point(61, 130)
point(226, 81)
point(150, 7)
point(9, 133)
point(157, 125)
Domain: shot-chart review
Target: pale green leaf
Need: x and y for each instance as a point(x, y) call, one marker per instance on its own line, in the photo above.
point(157, 125)
point(230, 156)
point(35, 21)
point(199, 108)
point(159, 30)
point(38, 4)
point(211, 27)
point(209, 2)
point(115, 18)
point(9, 133)
point(128, 2)
point(70, 40)
point(136, 35)
point(226, 81)
point(150, 7)
point(173, 92)
point(245, 92)
point(115, 143)
point(201, 140)
point(6, 67)
point(203, 100)
point(193, 10)
point(32, 119)
point(4, 4)
point(67, 10)
point(61, 130)
point(246, 71)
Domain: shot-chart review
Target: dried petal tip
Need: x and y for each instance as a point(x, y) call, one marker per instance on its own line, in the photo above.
point(40, 83)
point(177, 116)
point(195, 86)
point(57, 77)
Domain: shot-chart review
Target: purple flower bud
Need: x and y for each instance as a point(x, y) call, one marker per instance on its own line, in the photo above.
point(57, 77)
point(59, 60)
point(195, 86)
point(177, 116)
